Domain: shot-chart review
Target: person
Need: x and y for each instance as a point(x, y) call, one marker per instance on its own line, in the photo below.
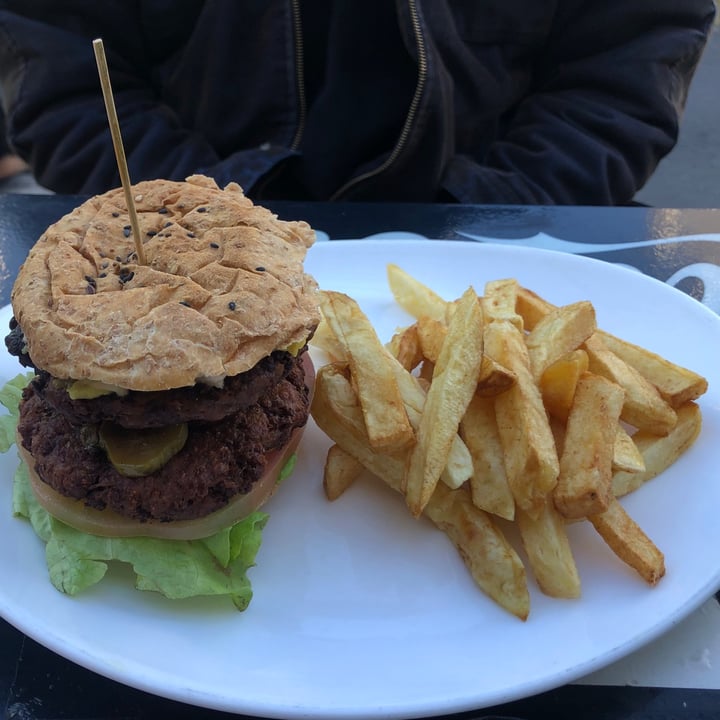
point(500, 101)
point(11, 166)
point(15, 175)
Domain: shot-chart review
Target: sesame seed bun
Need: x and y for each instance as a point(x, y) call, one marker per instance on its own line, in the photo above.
point(223, 287)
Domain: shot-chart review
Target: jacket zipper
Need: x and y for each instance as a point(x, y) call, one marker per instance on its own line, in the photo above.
point(412, 111)
point(299, 74)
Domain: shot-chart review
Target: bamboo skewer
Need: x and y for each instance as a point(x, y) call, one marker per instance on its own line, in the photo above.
point(118, 145)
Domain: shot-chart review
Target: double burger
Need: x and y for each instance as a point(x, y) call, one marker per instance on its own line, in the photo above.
point(167, 396)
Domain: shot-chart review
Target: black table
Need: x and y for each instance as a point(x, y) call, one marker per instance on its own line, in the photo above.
point(36, 683)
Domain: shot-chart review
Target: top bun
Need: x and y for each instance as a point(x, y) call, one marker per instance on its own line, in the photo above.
point(223, 287)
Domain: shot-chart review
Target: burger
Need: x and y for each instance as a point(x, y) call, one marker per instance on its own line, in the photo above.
point(167, 397)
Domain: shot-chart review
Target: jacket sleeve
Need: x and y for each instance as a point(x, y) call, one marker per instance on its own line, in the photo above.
point(55, 113)
point(605, 107)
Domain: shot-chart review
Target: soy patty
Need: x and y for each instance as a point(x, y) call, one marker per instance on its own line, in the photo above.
point(158, 408)
point(198, 402)
point(219, 460)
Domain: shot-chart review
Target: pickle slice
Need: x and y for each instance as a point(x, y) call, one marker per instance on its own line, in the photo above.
point(136, 453)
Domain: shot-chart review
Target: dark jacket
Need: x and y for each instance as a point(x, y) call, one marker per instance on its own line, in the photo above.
point(499, 101)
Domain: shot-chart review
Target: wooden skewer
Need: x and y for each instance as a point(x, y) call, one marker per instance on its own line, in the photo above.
point(118, 145)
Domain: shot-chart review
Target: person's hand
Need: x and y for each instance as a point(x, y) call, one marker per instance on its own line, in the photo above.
point(11, 165)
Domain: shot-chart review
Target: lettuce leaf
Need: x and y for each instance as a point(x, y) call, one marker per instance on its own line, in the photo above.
point(10, 396)
point(177, 569)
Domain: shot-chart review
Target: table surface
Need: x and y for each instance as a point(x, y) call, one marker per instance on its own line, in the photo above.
point(674, 677)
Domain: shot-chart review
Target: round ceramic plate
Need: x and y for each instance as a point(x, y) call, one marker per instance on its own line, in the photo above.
point(361, 611)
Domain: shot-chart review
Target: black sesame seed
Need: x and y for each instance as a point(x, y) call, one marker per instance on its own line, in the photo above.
point(126, 231)
point(191, 235)
point(260, 268)
point(125, 276)
point(116, 214)
point(214, 245)
point(151, 233)
point(89, 289)
point(163, 211)
point(168, 224)
point(185, 303)
point(232, 305)
point(102, 275)
point(202, 209)
point(90, 279)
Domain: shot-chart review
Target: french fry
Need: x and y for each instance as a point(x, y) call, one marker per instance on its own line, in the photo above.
point(340, 472)
point(628, 541)
point(324, 339)
point(414, 297)
point(488, 484)
point(384, 411)
point(493, 378)
point(336, 410)
point(558, 383)
point(676, 384)
point(643, 408)
point(584, 485)
point(626, 454)
point(531, 307)
point(404, 346)
point(431, 336)
point(531, 414)
point(499, 302)
point(659, 453)
point(453, 384)
point(493, 563)
point(427, 370)
point(531, 458)
point(459, 466)
point(560, 332)
point(558, 432)
point(547, 546)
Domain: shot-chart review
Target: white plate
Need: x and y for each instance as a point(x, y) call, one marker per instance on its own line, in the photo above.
point(360, 611)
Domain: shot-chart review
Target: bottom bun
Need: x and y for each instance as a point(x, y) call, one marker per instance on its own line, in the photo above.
point(107, 523)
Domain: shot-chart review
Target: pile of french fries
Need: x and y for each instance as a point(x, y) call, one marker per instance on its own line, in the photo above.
point(500, 415)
